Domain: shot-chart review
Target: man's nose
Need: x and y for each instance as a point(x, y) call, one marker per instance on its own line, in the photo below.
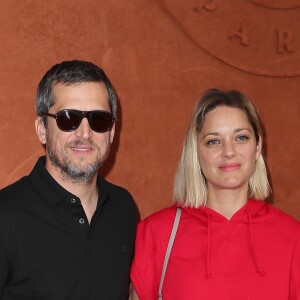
point(84, 130)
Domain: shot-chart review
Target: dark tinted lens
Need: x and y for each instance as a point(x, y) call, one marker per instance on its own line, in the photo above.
point(68, 120)
point(100, 121)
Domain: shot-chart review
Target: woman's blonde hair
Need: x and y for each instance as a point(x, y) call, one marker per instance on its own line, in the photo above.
point(190, 185)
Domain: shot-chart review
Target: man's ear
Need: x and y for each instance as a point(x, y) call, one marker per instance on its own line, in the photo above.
point(112, 133)
point(40, 129)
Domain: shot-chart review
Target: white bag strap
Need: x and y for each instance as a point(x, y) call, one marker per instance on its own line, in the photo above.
point(168, 252)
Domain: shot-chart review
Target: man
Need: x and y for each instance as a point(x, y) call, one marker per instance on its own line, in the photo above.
point(65, 232)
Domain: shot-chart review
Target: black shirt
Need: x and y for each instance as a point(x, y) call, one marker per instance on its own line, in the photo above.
point(48, 250)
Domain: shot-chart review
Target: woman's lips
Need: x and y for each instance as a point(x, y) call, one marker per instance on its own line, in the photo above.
point(229, 167)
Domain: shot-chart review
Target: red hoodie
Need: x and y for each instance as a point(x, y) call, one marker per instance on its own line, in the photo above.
point(253, 256)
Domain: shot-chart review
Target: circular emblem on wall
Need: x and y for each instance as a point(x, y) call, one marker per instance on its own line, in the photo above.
point(279, 4)
point(256, 36)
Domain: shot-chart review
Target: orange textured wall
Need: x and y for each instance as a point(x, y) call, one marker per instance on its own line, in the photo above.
point(160, 55)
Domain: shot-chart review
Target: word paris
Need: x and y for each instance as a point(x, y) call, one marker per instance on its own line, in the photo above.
point(283, 37)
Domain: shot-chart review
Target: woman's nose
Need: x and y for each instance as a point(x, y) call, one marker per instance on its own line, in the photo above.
point(228, 149)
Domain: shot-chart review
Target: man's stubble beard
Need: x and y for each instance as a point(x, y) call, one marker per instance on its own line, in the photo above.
point(75, 172)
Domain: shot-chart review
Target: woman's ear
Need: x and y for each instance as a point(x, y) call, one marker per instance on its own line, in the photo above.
point(258, 148)
point(40, 129)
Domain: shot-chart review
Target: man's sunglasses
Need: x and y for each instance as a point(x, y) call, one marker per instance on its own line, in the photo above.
point(70, 119)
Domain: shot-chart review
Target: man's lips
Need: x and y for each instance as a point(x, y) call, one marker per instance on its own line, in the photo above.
point(82, 148)
point(230, 167)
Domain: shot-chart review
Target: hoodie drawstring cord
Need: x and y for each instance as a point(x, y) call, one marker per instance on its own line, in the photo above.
point(208, 272)
point(258, 266)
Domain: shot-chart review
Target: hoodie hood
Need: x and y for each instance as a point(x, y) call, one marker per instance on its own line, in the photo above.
point(253, 212)
point(257, 209)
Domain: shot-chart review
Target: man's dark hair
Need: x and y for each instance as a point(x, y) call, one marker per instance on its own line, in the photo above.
point(71, 73)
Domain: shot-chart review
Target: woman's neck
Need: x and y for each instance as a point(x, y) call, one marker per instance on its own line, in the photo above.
point(227, 202)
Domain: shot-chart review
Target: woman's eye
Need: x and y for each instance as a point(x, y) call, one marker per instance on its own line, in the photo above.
point(242, 138)
point(212, 142)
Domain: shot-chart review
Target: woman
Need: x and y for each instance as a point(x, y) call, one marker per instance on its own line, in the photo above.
point(229, 244)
